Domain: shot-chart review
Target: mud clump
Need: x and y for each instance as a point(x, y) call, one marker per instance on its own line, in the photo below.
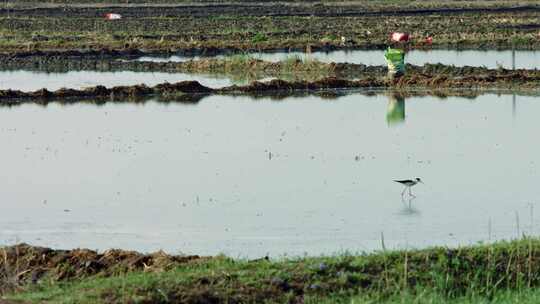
point(427, 77)
point(101, 92)
point(184, 87)
point(282, 85)
point(23, 264)
point(489, 79)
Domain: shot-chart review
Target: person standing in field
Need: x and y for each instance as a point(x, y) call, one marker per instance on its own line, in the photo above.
point(395, 55)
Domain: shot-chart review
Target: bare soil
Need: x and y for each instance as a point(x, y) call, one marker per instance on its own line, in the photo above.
point(24, 264)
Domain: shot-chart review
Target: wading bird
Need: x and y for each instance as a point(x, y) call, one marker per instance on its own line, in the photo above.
point(408, 183)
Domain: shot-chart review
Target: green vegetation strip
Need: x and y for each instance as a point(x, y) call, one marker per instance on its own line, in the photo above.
point(504, 272)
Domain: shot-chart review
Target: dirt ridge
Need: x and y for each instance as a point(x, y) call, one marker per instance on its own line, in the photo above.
point(184, 89)
point(22, 264)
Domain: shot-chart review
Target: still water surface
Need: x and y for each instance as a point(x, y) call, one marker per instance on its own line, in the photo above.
point(249, 178)
point(28, 81)
point(490, 59)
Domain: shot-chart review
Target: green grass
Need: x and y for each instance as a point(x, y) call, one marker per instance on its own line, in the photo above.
point(259, 37)
point(426, 296)
point(506, 272)
point(244, 67)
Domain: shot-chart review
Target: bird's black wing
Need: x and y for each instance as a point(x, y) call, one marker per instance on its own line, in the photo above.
point(403, 181)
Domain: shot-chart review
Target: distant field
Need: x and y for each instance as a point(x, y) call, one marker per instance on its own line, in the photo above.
point(380, 3)
point(265, 25)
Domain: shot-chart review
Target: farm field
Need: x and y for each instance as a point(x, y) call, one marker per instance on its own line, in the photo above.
point(218, 27)
point(269, 151)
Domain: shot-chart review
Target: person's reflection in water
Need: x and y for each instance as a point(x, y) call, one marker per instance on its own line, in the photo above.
point(395, 113)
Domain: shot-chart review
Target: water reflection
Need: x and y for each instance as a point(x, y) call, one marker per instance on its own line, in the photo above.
point(408, 208)
point(514, 105)
point(395, 112)
point(28, 81)
point(192, 167)
point(491, 59)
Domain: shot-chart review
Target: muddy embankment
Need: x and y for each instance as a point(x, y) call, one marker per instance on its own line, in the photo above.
point(193, 91)
point(59, 57)
point(235, 65)
point(23, 264)
point(310, 76)
point(302, 70)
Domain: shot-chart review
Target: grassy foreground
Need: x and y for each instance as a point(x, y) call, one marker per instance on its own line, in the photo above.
point(505, 272)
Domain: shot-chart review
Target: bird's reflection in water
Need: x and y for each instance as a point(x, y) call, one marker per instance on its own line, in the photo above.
point(395, 113)
point(408, 208)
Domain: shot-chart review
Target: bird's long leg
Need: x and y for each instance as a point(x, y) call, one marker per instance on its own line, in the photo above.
point(410, 193)
point(403, 192)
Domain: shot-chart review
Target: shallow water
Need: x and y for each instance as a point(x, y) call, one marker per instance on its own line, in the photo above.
point(27, 81)
point(303, 175)
point(490, 59)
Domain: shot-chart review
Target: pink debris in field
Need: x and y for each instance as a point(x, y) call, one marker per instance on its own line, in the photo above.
point(399, 37)
point(111, 16)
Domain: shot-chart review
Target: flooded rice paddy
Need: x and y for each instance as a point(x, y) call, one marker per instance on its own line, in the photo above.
point(490, 59)
point(246, 177)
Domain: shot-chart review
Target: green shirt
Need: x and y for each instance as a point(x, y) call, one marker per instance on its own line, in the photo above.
point(395, 59)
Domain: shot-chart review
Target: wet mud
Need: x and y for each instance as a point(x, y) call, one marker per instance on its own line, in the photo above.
point(165, 90)
point(192, 92)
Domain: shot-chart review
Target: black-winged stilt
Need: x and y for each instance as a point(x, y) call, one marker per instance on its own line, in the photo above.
point(408, 183)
